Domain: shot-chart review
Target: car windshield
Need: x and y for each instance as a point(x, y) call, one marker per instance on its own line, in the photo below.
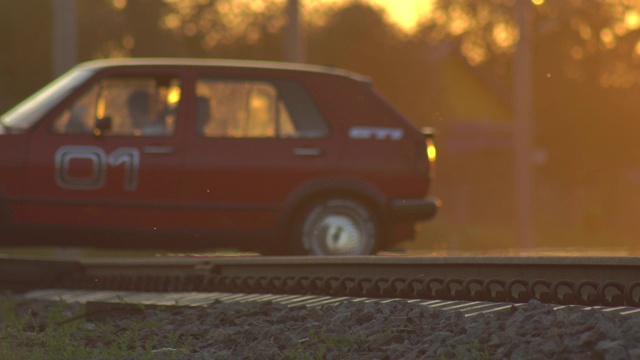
point(29, 111)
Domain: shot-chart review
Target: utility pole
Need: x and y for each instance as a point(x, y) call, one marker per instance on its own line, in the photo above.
point(64, 44)
point(293, 34)
point(523, 125)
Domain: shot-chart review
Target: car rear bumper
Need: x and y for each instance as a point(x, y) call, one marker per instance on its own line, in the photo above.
point(414, 209)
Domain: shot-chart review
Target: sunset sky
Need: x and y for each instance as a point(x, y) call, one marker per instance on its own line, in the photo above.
point(405, 13)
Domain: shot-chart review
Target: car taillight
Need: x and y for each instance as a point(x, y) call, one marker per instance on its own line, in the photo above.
point(431, 150)
point(430, 147)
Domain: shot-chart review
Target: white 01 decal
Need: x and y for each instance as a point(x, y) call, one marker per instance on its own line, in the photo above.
point(129, 157)
point(378, 133)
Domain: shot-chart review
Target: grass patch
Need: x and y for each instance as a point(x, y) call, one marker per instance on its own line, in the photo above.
point(57, 330)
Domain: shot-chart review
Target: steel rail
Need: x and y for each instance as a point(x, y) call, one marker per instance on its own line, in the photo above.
point(610, 281)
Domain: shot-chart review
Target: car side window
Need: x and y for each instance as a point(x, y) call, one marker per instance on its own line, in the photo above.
point(256, 109)
point(124, 106)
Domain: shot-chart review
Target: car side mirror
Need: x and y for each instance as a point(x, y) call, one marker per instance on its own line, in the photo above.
point(102, 126)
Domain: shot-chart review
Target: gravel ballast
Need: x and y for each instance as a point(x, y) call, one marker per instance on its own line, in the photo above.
point(352, 330)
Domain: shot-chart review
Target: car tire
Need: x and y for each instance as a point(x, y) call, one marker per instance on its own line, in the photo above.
point(337, 226)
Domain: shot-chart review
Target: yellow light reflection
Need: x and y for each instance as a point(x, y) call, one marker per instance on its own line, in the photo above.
point(608, 38)
point(406, 13)
point(174, 95)
point(119, 4)
point(459, 20)
point(100, 108)
point(172, 21)
point(504, 35)
point(537, 2)
point(632, 19)
point(431, 150)
point(474, 50)
point(585, 32)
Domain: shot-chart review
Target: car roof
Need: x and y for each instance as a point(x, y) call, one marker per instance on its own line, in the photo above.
point(224, 63)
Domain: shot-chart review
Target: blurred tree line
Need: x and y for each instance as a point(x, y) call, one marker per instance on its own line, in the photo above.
point(586, 80)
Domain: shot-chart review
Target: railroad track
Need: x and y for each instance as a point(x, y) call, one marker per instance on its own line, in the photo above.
point(591, 281)
point(382, 307)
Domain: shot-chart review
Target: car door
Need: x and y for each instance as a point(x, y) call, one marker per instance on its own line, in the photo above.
point(110, 156)
point(256, 140)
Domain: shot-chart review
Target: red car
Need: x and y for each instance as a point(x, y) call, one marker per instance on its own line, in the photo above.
point(185, 153)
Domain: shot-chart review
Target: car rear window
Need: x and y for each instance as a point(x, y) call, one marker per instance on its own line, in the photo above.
point(241, 108)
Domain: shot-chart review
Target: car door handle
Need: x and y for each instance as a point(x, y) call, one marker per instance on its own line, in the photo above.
point(307, 152)
point(158, 150)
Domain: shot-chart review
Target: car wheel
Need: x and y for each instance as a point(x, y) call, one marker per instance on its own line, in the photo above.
point(338, 227)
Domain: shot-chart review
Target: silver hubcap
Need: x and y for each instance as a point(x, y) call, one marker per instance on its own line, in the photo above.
point(339, 227)
point(340, 235)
